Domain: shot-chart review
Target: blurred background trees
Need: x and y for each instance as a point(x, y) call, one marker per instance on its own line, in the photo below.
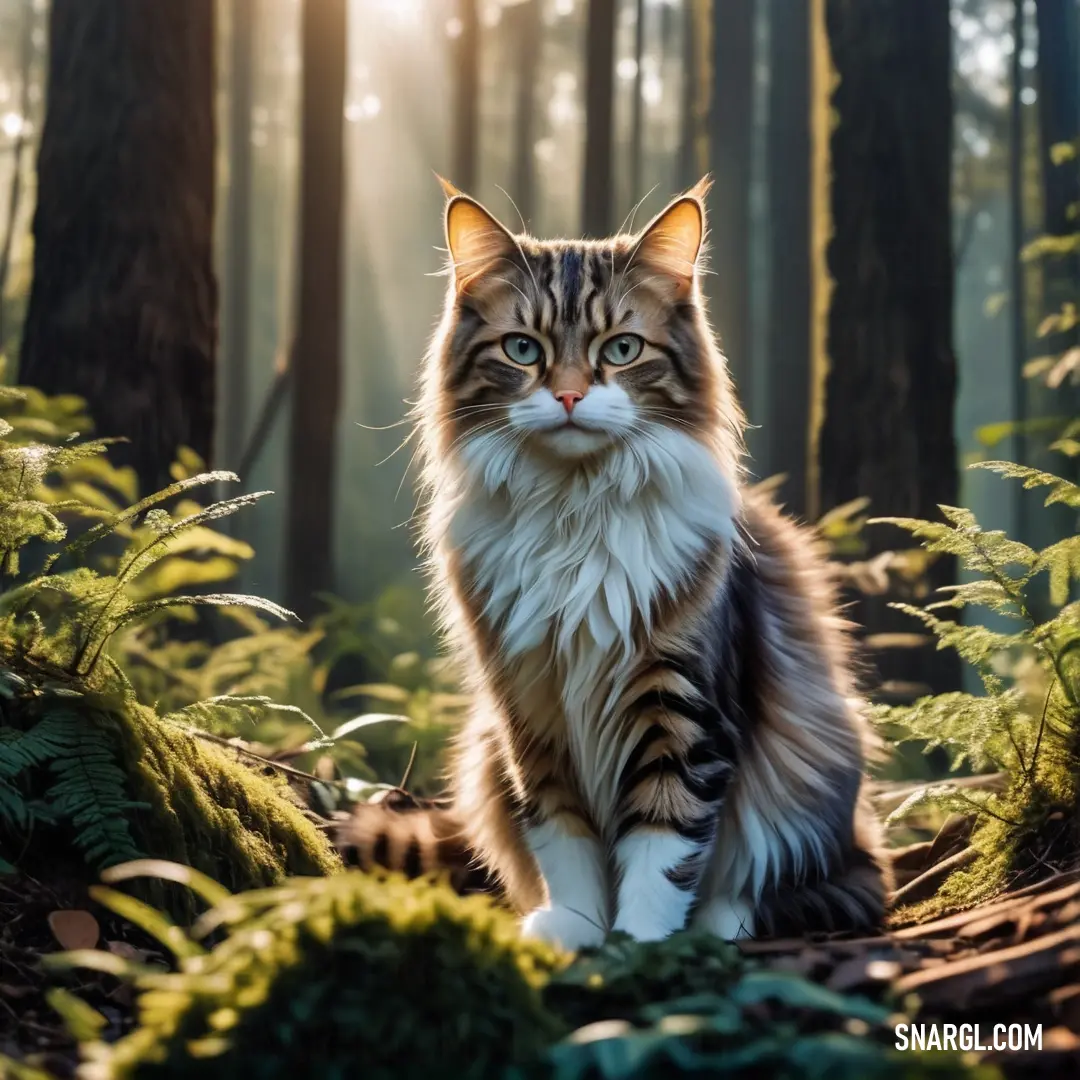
point(889, 232)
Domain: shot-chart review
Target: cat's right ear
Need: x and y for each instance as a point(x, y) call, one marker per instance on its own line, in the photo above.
point(474, 238)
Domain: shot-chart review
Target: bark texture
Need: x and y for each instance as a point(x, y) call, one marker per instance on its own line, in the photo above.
point(316, 367)
point(123, 308)
point(596, 216)
point(730, 133)
point(887, 429)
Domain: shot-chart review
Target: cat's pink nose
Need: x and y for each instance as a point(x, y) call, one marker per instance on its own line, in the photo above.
point(569, 398)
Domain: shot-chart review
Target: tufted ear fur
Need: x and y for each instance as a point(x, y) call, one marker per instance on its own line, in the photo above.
point(475, 238)
point(671, 243)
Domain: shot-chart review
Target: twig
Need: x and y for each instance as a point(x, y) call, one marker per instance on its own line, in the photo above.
point(272, 403)
point(218, 740)
point(409, 767)
point(1038, 737)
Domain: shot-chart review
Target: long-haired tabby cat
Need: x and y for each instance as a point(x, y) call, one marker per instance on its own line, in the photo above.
point(664, 732)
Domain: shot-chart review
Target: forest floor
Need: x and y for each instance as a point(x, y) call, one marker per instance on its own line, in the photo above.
point(36, 920)
point(1015, 959)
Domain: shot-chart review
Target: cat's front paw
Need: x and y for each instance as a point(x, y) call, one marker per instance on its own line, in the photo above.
point(564, 927)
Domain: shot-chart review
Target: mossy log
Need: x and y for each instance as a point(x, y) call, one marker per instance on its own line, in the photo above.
point(180, 798)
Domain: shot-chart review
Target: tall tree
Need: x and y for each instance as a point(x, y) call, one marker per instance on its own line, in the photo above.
point(528, 29)
point(637, 105)
point(316, 366)
point(123, 307)
point(466, 133)
point(17, 149)
point(1058, 23)
point(784, 412)
point(237, 278)
point(596, 216)
point(886, 423)
point(730, 130)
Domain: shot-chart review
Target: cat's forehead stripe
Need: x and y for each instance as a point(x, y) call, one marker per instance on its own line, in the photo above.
point(571, 282)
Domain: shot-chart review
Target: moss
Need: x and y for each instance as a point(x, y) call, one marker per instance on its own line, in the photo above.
point(186, 800)
point(1031, 827)
point(349, 976)
point(381, 978)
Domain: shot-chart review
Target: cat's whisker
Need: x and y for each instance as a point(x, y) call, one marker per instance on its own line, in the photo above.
point(521, 218)
point(400, 446)
point(384, 427)
point(506, 281)
point(635, 208)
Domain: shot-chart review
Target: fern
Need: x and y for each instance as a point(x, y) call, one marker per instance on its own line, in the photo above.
point(226, 710)
point(89, 792)
point(85, 789)
point(1027, 723)
point(72, 735)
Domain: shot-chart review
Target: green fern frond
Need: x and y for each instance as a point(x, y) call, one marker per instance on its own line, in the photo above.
point(13, 805)
point(1062, 562)
point(130, 513)
point(986, 593)
point(928, 531)
point(968, 727)
point(976, 644)
point(256, 603)
point(947, 797)
point(89, 791)
point(963, 537)
point(55, 735)
point(229, 710)
point(1061, 491)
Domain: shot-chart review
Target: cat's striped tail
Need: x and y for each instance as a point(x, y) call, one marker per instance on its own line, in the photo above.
point(413, 837)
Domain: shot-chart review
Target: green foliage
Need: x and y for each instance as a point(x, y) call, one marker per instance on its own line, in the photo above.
point(355, 975)
point(1027, 721)
point(86, 789)
point(82, 760)
point(378, 977)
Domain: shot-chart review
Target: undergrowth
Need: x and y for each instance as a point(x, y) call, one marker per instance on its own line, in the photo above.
point(370, 976)
point(1027, 721)
point(82, 761)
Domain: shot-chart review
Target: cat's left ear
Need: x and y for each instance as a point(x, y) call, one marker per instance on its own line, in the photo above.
point(671, 243)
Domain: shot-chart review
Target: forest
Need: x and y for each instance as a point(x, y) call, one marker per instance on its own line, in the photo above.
point(223, 255)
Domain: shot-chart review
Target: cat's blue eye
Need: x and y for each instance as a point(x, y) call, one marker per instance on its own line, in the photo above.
point(623, 349)
point(522, 349)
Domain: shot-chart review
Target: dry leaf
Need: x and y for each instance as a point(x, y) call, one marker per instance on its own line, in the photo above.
point(75, 929)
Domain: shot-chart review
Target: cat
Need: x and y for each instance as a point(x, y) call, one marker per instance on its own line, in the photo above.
point(664, 732)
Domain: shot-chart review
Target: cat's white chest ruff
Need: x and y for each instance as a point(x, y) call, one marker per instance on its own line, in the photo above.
point(569, 563)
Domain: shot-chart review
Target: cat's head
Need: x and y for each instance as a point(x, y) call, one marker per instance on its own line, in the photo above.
point(570, 349)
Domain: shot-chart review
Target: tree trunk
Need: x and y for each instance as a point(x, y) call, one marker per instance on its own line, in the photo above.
point(599, 105)
point(17, 149)
point(1059, 121)
point(730, 126)
point(528, 30)
point(1058, 24)
point(123, 308)
point(236, 387)
point(784, 411)
point(637, 110)
point(467, 103)
point(887, 426)
point(316, 367)
point(688, 135)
